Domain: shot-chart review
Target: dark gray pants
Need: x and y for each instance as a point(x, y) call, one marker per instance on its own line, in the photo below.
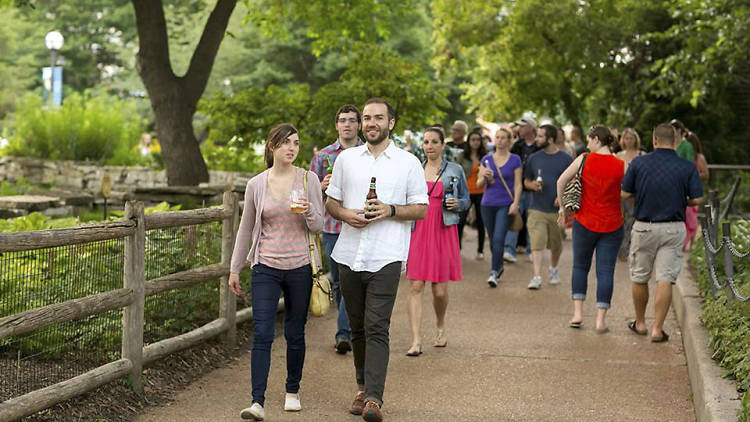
point(369, 299)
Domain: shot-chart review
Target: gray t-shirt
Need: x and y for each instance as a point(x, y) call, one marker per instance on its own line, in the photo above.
point(550, 167)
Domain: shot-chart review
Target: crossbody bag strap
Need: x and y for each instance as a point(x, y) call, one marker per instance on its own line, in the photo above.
point(311, 244)
point(443, 167)
point(502, 179)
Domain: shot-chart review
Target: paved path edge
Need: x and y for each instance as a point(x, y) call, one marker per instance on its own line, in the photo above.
point(714, 397)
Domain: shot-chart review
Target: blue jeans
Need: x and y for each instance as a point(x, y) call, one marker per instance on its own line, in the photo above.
point(496, 220)
point(607, 246)
point(343, 331)
point(511, 240)
point(267, 285)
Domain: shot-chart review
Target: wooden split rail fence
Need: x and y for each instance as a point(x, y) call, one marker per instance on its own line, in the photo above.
point(130, 298)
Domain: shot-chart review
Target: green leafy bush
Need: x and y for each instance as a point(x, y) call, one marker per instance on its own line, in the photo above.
point(65, 273)
point(728, 321)
point(97, 128)
point(19, 187)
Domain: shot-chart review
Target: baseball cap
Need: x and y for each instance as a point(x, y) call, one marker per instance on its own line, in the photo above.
point(526, 121)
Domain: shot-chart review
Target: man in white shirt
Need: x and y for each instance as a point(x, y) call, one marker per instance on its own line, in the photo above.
point(370, 251)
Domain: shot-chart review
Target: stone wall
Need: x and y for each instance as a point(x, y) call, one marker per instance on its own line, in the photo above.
point(87, 177)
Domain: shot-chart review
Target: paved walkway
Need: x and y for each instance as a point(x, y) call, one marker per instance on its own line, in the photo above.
point(510, 357)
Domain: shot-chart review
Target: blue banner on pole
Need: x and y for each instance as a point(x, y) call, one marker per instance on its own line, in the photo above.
point(52, 81)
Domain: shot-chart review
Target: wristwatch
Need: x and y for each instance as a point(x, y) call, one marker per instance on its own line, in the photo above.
point(393, 210)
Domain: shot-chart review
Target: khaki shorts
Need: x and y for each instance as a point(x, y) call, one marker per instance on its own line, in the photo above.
point(543, 231)
point(656, 247)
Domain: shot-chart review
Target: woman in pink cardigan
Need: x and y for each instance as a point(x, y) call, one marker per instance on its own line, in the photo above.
point(277, 217)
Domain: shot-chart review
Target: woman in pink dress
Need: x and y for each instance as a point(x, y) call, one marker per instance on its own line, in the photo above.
point(434, 255)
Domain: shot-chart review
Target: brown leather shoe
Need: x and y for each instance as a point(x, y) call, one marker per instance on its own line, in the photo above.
point(372, 413)
point(358, 404)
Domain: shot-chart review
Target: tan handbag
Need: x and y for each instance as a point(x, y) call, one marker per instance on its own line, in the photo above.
point(517, 223)
point(321, 295)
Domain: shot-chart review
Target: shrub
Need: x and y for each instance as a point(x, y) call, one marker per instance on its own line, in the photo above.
point(728, 321)
point(97, 128)
point(64, 273)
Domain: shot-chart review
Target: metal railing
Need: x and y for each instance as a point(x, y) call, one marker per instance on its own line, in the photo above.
point(715, 212)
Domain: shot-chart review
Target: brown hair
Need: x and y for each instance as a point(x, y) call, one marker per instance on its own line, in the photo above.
point(276, 137)
point(603, 134)
point(679, 126)
point(376, 100)
point(438, 130)
point(481, 151)
point(348, 108)
point(693, 139)
point(630, 130)
point(664, 133)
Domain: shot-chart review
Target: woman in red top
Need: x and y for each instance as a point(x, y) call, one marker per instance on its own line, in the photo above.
point(597, 226)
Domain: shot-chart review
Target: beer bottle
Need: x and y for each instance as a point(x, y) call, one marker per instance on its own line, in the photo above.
point(539, 178)
point(371, 195)
point(450, 192)
point(329, 165)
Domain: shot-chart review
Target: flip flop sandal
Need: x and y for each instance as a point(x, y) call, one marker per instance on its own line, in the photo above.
point(664, 337)
point(631, 325)
point(575, 324)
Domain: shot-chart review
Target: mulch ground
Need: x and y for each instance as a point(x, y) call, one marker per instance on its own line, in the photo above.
point(116, 401)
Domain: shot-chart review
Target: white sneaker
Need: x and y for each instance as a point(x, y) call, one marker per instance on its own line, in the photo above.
point(292, 403)
point(492, 280)
point(554, 276)
point(507, 257)
point(253, 413)
point(535, 283)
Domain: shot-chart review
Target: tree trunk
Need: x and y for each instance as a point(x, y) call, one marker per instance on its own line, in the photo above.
point(174, 126)
point(173, 98)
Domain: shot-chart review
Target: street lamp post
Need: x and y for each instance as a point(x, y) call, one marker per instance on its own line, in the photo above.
point(54, 42)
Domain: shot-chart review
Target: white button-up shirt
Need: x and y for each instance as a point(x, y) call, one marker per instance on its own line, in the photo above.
point(399, 181)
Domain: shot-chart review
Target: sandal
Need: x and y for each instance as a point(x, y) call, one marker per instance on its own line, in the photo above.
point(415, 350)
point(440, 340)
point(631, 325)
point(664, 337)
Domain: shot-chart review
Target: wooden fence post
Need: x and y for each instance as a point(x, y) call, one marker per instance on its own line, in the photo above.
point(227, 301)
point(135, 278)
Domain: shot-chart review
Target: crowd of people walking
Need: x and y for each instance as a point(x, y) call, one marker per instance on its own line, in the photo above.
point(385, 212)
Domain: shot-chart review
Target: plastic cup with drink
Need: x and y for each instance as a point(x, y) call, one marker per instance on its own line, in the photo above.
point(296, 199)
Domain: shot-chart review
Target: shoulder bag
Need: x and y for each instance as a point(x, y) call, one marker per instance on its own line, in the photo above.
point(517, 223)
point(321, 295)
point(571, 197)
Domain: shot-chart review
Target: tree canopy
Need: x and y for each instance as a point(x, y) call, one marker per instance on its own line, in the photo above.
point(617, 62)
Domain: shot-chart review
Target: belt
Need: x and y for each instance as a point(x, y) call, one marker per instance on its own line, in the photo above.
point(660, 221)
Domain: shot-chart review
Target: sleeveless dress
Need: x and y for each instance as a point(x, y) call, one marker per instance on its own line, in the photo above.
point(434, 255)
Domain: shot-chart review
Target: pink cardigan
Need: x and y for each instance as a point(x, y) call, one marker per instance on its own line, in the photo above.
point(250, 225)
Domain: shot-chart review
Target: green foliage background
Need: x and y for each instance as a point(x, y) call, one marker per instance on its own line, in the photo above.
point(98, 128)
point(728, 321)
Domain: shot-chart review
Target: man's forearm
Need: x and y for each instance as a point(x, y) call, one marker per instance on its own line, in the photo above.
point(410, 212)
point(695, 201)
point(333, 207)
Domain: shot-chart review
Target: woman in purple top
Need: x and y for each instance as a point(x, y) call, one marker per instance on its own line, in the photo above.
point(501, 196)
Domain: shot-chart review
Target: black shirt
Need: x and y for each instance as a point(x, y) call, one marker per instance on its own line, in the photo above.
point(662, 182)
point(523, 150)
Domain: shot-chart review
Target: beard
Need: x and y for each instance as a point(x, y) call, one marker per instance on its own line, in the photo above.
point(543, 146)
point(382, 136)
